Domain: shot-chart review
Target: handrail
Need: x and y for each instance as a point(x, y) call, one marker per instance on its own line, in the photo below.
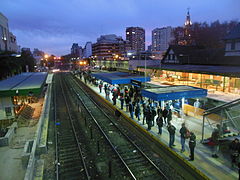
point(225, 105)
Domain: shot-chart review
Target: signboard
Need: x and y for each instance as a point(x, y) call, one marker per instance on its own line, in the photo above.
point(136, 83)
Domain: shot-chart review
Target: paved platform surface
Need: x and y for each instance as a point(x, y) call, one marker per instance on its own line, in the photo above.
point(10, 156)
point(214, 168)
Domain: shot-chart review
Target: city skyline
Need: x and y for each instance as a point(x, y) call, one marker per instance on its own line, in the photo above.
point(54, 26)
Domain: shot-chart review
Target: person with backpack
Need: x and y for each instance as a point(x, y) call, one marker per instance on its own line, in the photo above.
point(192, 145)
point(184, 133)
point(171, 130)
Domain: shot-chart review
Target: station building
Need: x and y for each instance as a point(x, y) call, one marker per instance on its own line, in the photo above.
point(19, 90)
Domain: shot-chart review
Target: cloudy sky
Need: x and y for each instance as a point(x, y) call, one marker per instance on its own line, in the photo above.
point(53, 25)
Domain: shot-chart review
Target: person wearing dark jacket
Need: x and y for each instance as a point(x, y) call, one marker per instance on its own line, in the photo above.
point(183, 133)
point(169, 116)
point(154, 113)
point(137, 111)
point(122, 101)
point(171, 130)
point(234, 149)
point(127, 101)
point(148, 118)
point(215, 139)
point(159, 123)
point(131, 110)
point(192, 145)
point(165, 113)
point(144, 113)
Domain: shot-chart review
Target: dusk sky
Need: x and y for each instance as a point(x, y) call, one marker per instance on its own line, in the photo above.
point(53, 25)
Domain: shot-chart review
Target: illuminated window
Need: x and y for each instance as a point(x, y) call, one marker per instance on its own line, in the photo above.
point(127, 32)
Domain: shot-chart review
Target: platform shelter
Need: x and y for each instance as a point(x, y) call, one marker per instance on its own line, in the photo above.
point(120, 77)
point(166, 93)
point(163, 93)
point(17, 90)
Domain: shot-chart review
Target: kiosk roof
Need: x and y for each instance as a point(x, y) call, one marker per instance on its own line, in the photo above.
point(119, 77)
point(173, 92)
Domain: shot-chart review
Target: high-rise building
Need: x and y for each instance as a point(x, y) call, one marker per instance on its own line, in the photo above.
point(136, 38)
point(76, 51)
point(7, 39)
point(109, 47)
point(161, 38)
point(87, 51)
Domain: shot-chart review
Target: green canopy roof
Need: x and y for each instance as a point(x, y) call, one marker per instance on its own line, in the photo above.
point(23, 84)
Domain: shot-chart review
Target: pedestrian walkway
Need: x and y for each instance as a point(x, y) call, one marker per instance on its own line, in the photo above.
point(214, 168)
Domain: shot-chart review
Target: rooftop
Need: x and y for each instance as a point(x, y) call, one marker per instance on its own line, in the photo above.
point(120, 77)
point(23, 84)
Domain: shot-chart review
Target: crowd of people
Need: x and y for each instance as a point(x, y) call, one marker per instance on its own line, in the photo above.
point(151, 113)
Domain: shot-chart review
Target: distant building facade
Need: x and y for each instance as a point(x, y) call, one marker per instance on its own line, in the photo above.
point(87, 51)
point(76, 51)
point(136, 38)
point(109, 47)
point(232, 42)
point(161, 38)
point(8, 41)
point(38, 56)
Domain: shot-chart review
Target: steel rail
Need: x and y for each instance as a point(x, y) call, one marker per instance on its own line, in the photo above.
point(143, 154)
point(74, 131)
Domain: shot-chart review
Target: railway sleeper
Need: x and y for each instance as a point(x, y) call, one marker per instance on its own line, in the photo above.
point(65, 169)
point(70, 144)
point(71, 153)
point(66, 150)
point(71, 175)
point(71, 163)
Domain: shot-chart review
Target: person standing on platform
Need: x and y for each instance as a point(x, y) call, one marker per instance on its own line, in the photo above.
point(137, 111)
point(148, 118)
point(131, 110)
point(159, 123)
point(144, 113)
point(234, 150)
point(122, 101)
point(171, 130)
point(107, 93)
point(192, 145)
point(215, 139)
point(127, 101)
point(105, 88)
point(183, 135)
point(100, 87)
point(159, 110)
point(154, 113)
point(169, 116)
point(165, 113)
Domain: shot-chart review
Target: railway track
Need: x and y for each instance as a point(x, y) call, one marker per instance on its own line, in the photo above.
point(70, 163)
point(136, 163)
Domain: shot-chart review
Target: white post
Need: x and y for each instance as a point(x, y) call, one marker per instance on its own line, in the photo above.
point(183, 101)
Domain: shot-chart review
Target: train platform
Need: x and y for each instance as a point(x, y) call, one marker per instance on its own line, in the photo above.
point(214, 168)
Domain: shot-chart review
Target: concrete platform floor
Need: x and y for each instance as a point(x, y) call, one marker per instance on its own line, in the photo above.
point(10, 156)
point(215, 168)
